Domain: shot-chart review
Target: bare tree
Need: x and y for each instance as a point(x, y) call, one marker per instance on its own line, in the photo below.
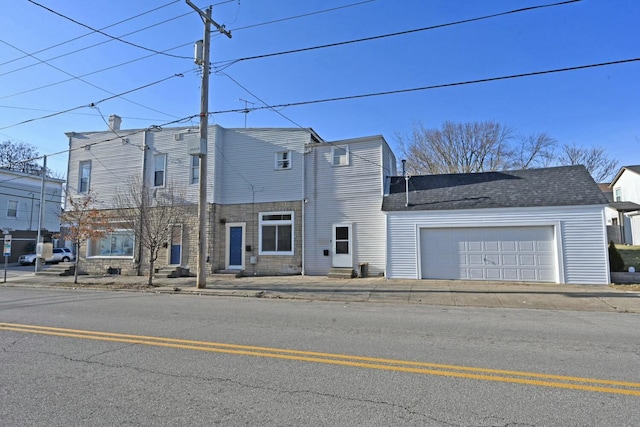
point(19, 157)
point(533, 151)
point(84, 222)
point(457, 148)
point(150, 214)
point(595, 159)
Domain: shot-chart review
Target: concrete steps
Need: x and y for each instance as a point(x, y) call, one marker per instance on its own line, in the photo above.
point(61, 269)
point(172, 272)
point(341, 273)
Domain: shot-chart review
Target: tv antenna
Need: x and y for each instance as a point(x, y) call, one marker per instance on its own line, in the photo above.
point(246, 109)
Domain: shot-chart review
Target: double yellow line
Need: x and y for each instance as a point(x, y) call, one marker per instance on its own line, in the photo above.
point(484, 374)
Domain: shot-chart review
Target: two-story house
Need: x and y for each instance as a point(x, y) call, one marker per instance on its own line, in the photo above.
point(279, 201)
point(20, 195)
point(625, 188)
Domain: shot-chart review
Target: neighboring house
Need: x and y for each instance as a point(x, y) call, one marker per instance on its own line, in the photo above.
point(20, 207)
point(276, 197)
point(513, 225)
point(625, 188)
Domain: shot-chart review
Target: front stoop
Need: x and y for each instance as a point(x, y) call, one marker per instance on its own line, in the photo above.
point(227, 273)
point(61, 269)
point(172, 272)
point(341, 273)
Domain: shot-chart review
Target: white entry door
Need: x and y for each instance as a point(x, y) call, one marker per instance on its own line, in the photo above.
point(342, 246)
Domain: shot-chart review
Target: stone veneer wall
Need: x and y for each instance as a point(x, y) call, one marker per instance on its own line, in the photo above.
point(129, 267)
point(266, 265)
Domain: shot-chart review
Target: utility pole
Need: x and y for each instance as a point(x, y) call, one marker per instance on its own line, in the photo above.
point(39, 261)
point(201, 277)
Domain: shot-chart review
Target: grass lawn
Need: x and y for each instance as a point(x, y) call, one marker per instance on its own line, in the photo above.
point(630, 255)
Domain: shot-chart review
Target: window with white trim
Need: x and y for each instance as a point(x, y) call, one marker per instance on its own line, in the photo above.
point(84, 176)
point(195, 170)
point(340, 155)
point(276, 233)
point(159, 169)
point(283, 160)
point(617, 195)
point(117, 243)
point(12, 209)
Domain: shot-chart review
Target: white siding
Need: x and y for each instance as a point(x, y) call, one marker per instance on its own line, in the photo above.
point(346, 194)
point(24, 190)
point(629, 184)
point(582, 246)
point(113, 163)
point(246, 158)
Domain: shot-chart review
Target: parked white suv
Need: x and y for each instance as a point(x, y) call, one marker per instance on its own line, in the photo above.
point(59, 255)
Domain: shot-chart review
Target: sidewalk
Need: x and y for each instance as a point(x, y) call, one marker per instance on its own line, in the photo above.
point(380, 290)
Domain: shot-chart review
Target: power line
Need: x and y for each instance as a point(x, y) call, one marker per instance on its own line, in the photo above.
point(229, 63)
point(91, 73)
point(105, 34)
point(440, 86)
point(73, 77)
point(88, 34)
point(275, 21)
point(93, 103)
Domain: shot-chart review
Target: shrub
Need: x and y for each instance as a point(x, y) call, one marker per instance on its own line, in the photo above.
point(615, 259)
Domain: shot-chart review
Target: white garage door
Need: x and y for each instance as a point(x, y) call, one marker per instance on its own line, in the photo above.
point(489, 253)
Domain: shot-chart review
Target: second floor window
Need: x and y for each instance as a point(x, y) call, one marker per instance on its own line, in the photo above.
point(617, 195)
point(283, 160)
point(340, 156)
point(195, 169)
point(159, 169)
point(84, 177)
point(12, 209)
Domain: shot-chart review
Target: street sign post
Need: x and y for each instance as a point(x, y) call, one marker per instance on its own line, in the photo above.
point(7, 253)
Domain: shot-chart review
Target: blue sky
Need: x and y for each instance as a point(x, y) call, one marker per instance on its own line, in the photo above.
point(590, 107)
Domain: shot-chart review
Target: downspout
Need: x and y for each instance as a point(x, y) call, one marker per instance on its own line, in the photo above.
point(143, 186)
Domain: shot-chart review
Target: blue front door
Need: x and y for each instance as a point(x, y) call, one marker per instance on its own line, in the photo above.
point(175, 257)
point(235, 247)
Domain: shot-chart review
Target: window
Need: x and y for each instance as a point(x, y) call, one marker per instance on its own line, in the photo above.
point(159, 166)
point(12, 209)
point(195, 169)
point(118, 243)
point(84, 175)
point(340, 156)
point(283, 160)
point(617, 195)
point(276, 233)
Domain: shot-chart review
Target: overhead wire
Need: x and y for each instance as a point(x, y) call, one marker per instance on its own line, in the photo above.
point(73, 77)
point(105, 34)
point(95, 103)
point(227, 63)
point(90, 33)
point(438, 86)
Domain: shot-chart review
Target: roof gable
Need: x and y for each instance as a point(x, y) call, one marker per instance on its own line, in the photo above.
point(634, 168)
point(559, 186)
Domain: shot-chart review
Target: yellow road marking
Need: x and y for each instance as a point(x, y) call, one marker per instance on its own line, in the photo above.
point(485, 374)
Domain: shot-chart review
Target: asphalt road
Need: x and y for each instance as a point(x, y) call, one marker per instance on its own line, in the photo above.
point(108, 358)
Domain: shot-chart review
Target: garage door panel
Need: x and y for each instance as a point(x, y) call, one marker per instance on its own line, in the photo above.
point(509, 260)
point(509, 246)
point(491, 246)
point(489, 253)
point(545, 261)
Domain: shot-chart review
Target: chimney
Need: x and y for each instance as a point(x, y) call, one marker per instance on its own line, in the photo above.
point(114, 122)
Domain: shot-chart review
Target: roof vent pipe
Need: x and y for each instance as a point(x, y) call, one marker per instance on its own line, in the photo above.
point(406, 190)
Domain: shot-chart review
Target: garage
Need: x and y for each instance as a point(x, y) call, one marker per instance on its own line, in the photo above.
point(489, 253)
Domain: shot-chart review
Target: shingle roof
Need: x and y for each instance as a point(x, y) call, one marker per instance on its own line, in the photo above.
point(558, 186)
